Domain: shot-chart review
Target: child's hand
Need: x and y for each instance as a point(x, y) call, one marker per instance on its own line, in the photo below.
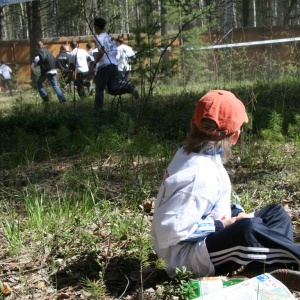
point(228, 222)
point(243, 215)
point(240, 216)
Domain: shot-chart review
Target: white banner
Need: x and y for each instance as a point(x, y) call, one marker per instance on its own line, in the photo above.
point(7, 2)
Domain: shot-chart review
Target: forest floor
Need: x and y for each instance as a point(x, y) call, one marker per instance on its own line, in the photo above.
point(122, 272)
point(32, 278)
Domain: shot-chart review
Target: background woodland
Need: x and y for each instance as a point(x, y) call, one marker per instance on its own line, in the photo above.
point(57, 18)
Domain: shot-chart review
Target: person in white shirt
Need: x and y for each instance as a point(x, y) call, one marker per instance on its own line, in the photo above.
point(196, 226)
point(5, 72)
point(106, 67)
point(93, 52)
point(124, 55)
point(78, 61)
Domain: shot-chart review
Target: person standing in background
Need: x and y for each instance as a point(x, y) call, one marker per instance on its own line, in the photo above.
point(78, 61)
point(91, 51)
point(124, 55)
point(46, 61)
point(5, 72)
point(62, 63)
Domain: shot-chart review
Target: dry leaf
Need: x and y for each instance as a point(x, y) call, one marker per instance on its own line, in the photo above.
point(5, 288)
point(41, 285)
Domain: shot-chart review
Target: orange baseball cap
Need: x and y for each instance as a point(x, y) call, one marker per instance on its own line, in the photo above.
point(222, 107)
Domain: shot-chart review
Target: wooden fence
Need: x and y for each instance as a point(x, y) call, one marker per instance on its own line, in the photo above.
point(16, 53)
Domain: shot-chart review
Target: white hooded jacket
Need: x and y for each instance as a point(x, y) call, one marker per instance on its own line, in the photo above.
point(196, 191)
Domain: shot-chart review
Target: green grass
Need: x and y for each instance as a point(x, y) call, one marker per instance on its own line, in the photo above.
point(77, 188)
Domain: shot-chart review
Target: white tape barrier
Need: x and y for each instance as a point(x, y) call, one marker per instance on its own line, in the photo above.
point(287, 40)
point(251, 43)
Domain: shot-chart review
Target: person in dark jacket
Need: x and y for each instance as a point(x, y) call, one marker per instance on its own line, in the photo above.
point(46, 61)
point(62, 63)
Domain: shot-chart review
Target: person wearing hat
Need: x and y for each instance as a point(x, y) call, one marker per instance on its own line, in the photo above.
point(106, 67)
point(47, 63)
point(196, 226)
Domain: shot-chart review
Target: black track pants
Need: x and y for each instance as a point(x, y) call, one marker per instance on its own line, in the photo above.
point(266, 238)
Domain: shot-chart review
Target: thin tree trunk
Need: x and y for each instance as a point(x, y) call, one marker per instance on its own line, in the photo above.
point(227, 32)
point(227, 20)
point(54, 29)
point(275, 13)
point(23, 21)
point(254, 13)
point(163, 14)
point(2, 23)
point(126, 16)
point(234, 15)
point(246, 12)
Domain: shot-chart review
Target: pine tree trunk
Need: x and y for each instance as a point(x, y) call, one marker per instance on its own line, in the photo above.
point(2, 24)
point(34, 29)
